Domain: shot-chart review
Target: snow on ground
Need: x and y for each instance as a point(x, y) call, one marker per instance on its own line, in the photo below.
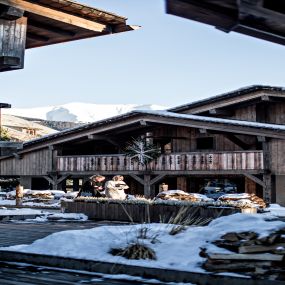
point(19, 212)
point(179, 252)
point(135, 279)
point(43, 216)
point(276, 210)
point(59, 217)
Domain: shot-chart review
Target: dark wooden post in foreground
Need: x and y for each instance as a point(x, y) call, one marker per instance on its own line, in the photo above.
point(13, 28)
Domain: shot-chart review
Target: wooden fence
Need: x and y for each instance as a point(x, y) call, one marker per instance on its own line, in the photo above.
point(240, 160)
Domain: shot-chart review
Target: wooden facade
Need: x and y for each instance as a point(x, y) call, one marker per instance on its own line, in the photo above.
point(231, 141)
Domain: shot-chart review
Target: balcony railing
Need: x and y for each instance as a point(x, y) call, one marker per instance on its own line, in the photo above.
point(198, 161)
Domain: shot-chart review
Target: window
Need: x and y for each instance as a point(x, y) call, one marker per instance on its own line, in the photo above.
point(205, 143)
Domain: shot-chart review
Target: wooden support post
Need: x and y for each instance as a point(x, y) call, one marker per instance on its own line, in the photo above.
point(182, 183)
point(138, 179)
point(75, 184)
point(249, 185)
point(147, 186)
point(55, 181)
point(12, 43)
point(267, 189)
point(255, 179)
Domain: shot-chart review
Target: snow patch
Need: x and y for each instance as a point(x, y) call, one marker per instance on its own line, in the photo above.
point(179, 252)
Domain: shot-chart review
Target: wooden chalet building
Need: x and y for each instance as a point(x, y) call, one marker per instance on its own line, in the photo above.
point(238, 136)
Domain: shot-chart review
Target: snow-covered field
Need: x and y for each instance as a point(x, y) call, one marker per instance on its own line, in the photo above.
point(179, 251)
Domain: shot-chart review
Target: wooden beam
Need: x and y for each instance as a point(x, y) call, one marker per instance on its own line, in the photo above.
point(220, 112)
point(261, 139)
point(51, 181)
point(267, 189)
point(234, 139)
point(10, 13)
point(59, 180)
point(138, 179)
point(57, 15)
point(203, 131)
point(255, 179)
point(12, 43)
point(147, 186)
point(36, 37)
point(111, 140)
point(50, 28)
point(156, 179)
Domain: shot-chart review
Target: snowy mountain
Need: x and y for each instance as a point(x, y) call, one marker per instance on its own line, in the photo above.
point(79, 112)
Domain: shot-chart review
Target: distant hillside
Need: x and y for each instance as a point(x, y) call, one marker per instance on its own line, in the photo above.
point(78, 112)
point(20, 129)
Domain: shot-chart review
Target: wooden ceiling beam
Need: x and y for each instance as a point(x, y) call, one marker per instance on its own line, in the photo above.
point(57, 15)
point(36, 37)
point(221, 112)
point(50, 28)
point(10, 13)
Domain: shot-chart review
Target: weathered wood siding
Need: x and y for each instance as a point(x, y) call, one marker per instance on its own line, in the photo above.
point(246, 160)
point(185, 139)
point(32, 163)
point(245, 113)
point(12, 43)
point(276, 113)
point(277, 155)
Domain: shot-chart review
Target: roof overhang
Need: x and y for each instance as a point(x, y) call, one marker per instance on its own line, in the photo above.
point(263, 19)
point(57, 21)
point(139, 118)
point(247, 95)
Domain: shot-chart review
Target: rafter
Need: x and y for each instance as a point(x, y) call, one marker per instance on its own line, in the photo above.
point(57, 15)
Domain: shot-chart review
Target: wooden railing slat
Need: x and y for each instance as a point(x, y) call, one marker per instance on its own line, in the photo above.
point(246, 160)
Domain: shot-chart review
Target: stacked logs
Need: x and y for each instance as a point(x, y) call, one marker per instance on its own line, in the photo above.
point(250, 255)
point(250, 200)
point(181, 196)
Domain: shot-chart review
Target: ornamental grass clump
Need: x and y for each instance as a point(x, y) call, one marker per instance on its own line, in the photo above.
point(135, 251)
point(186, 216)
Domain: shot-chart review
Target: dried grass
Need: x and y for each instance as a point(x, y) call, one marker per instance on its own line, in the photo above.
point(186, 217)
point(135, 251)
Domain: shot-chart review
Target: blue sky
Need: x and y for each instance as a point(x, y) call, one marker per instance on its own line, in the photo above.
point(169, 61)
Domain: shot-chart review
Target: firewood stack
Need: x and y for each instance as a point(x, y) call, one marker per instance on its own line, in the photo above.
point(181, 196)
point(250, 255)
point(35, 196)
point(248, 200)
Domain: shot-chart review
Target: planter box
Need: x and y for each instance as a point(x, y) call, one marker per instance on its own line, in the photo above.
point(140, 213)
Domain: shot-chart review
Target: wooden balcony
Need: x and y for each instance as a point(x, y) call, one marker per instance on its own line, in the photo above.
point(198, 161)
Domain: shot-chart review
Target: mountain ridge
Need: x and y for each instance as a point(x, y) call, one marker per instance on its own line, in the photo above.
point(79, 112)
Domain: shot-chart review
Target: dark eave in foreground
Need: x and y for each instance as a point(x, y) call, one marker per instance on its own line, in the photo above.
point(263, 19)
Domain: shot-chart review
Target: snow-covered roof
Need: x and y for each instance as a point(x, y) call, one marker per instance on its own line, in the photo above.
point(221, 97)
point(163, 117)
